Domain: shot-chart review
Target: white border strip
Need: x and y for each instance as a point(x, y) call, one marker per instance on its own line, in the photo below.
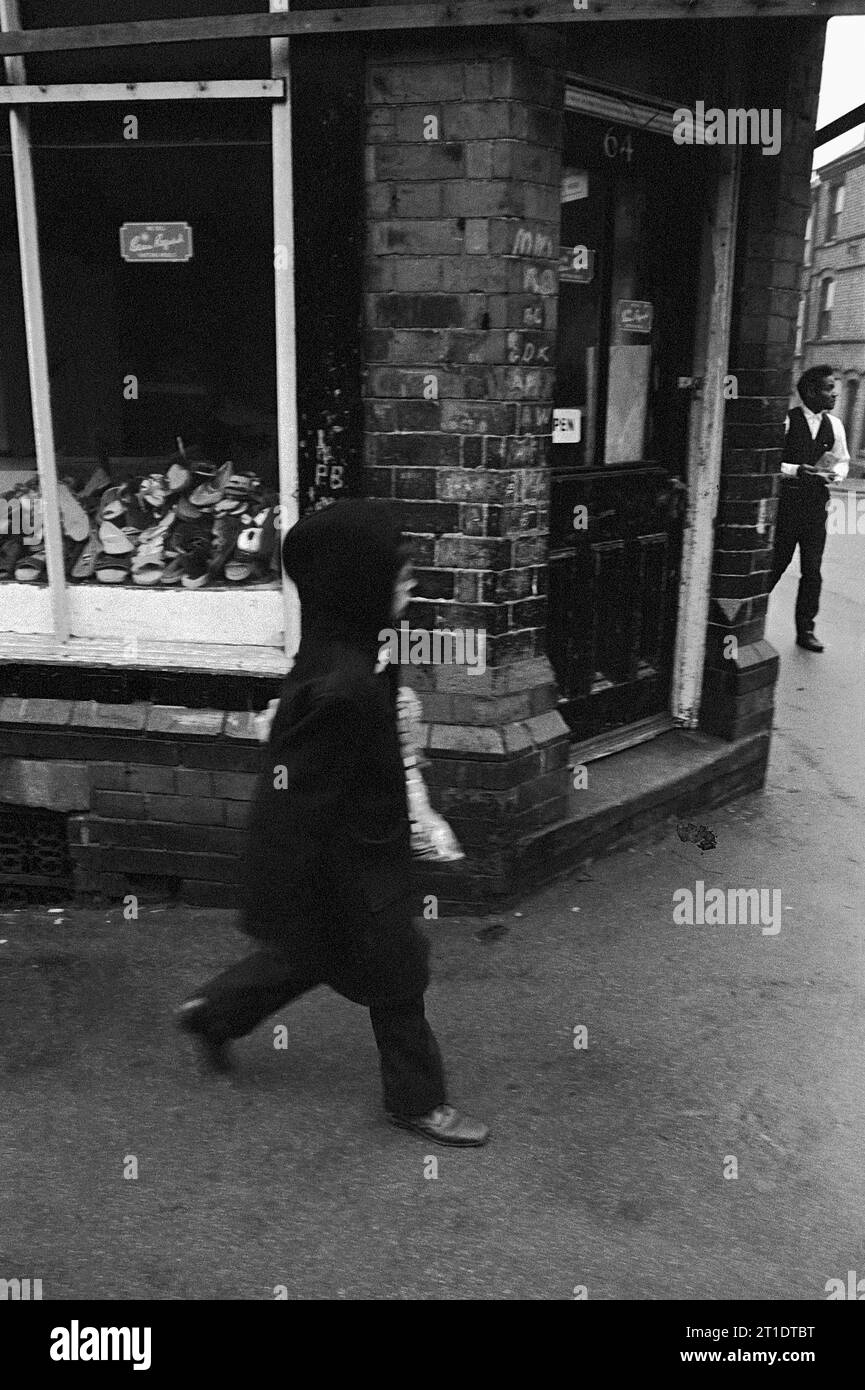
point(26, 94)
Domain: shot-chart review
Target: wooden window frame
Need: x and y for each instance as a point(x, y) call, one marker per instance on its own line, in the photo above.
point(48, 614)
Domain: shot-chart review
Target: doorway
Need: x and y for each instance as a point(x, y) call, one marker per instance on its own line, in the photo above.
point(630, 260)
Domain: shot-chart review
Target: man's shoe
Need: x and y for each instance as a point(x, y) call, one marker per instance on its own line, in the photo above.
point(445, 1125)
point(809, 642)
point(215, 1055)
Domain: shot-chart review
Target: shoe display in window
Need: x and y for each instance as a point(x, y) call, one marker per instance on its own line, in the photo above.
point(192, 523)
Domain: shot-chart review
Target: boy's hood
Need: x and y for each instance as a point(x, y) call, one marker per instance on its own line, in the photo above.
point(344, 560)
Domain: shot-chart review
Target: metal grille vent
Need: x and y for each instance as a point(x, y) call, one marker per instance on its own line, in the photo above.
point(35, 866)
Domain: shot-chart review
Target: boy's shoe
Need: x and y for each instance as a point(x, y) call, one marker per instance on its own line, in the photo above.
point(444, 1125)
point(215, 1055)
point(809, 641)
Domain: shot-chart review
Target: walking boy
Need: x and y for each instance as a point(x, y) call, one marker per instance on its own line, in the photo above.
point(328, 874)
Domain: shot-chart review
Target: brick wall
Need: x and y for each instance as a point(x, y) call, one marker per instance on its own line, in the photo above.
point(844, 260)
point(739, 677)
point(151, 792)
point(463, 173)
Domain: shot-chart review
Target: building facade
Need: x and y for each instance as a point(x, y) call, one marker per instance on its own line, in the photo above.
point(831, 324)
point(475, 272)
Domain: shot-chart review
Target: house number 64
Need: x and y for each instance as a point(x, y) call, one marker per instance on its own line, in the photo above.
point(614, 146)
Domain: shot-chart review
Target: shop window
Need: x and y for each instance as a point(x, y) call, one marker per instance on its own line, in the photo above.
point(158, 265)
point(836, 207)
point(827, 299)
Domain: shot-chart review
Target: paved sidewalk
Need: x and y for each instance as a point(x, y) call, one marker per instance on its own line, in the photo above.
point(607, 1164)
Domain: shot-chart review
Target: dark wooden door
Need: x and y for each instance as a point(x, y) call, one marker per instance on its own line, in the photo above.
point(631, 220)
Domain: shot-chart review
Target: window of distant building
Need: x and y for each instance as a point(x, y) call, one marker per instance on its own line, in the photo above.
point(800, 328)
point(827, 299)
point(851, 391)
point(809, 231)
point(836, 207)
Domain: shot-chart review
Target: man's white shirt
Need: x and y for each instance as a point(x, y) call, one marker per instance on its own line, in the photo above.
point(839, 453)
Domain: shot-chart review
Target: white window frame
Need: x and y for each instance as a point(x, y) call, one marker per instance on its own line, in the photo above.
point(836, 211)
point(79, 624)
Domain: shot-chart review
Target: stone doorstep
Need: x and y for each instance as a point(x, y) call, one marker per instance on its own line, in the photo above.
point(627, 793)
point(629, 796)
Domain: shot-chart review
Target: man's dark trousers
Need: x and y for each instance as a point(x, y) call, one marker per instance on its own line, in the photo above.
point(411, 1065)
point(801, 521)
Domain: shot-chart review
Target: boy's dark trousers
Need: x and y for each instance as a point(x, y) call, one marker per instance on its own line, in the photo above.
point(801, 521)
point(411, 1065)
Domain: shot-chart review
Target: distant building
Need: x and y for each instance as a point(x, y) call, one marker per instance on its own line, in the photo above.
point(831, 326)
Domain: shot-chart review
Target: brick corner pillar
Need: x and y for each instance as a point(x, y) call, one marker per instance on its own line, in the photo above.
point(463, 178)
point(741, 666)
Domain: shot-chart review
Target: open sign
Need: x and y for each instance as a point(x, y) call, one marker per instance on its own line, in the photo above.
point(567, 426)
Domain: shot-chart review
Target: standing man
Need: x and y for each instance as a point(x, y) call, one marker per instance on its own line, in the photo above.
point(815, 452)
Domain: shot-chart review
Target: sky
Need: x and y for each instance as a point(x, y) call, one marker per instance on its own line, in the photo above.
point(842, 86)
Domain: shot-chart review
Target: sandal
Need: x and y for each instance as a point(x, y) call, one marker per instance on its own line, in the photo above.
point(31, 568)
point(226, 531)
point(113, 569)
point(150, 572)
point(187, 510)
point(197, 565)
point(148, 563)
point(173, 573)
point(177, 477)
point(112, 503)
point(11, 552)
point(85, 565)
point(208, 493)
point(114, 541)
point(158, 531)
point(238, 570)
point(96, 484)
point(73, 518)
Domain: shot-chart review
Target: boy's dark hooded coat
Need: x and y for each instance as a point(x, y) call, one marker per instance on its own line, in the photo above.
point(328, 874)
